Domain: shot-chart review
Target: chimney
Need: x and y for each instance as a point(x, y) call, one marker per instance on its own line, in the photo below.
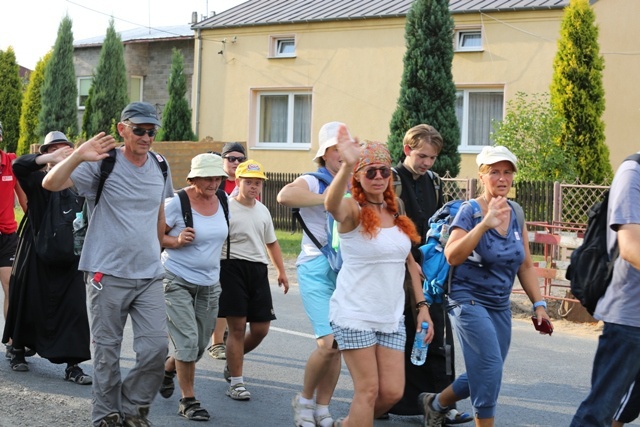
point(194, 18)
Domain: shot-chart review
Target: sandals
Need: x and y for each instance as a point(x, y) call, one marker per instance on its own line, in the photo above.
point(190, 409)
point(167, 387)
point(238, 392)
point(75, 374)
point(18, 362)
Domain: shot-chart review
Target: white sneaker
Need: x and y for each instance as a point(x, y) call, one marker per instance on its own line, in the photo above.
point(324, 420)
point(302, 413)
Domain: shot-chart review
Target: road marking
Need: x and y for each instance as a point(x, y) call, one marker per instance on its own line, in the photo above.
point(287, 331)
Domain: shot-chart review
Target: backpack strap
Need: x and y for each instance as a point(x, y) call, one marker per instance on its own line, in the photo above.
point(397, 182)
point(106, 166)
point(162, 162)
point(325, 179)
point(519, 214)
point(298, 217)
point(224, 203)
point(437, 185)
point(185, 206)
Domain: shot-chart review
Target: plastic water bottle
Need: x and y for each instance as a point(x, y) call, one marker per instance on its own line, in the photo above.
point(78, 234)
point(419, 351)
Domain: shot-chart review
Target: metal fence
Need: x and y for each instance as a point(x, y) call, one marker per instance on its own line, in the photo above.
point(551, 202)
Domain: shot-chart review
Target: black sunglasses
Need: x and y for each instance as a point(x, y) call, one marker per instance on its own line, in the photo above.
point(140, 131)
point(371, 173)
point(235, 159)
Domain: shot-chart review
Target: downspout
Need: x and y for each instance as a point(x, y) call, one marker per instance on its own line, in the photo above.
point(198, 83)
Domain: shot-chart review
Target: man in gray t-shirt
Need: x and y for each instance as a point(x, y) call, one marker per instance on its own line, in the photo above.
point(617, 362)
point(121, 256)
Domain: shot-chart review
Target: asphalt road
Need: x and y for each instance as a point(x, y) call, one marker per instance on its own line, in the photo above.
point(545, 379)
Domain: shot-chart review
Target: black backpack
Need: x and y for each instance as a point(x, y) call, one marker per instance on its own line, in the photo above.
point(185, 207)
point(54, 240)
point(591, 269)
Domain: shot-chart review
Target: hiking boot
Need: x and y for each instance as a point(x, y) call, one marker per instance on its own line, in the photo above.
point(238, 392)
point(111, 420)
point(139, 420)
point(75, 374)
point(432, 418)
point(226, 373)
point(302, 413)
point(217, 351)
point(18, 362)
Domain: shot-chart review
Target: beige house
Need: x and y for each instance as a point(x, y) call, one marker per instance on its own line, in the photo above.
point(271, 72)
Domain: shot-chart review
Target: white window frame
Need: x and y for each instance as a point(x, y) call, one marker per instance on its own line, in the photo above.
point(79, 79)
point(462, 34)
point(257, 114)
point(140, 95)
point(465, 93)
point(278, 46)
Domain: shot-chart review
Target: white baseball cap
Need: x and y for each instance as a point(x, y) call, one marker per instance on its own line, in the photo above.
point(327, 137)
point(494, 154)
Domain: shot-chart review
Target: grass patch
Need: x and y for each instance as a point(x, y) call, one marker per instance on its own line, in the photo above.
point(289, 243)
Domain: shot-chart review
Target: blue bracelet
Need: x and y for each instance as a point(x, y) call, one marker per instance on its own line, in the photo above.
point(541, 303)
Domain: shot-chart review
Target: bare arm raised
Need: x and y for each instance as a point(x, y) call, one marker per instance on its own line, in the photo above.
point(95, 149)
point(344, 210)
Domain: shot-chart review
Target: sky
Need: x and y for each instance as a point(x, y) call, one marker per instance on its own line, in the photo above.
point(31, 26)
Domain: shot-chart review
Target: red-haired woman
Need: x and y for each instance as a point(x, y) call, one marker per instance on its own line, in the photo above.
point(366, 309)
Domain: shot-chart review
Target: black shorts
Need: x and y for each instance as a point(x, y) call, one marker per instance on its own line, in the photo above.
point(630, 405)
point(245, 291)
point(8, 246)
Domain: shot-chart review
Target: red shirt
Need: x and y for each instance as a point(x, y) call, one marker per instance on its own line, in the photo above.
point(8, 181)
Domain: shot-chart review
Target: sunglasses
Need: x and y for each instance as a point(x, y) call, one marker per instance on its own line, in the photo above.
point(140, 131)
point(371, 173)
point(235, 159)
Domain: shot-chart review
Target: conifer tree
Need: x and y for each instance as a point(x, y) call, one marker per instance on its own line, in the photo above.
point(10, 99)
point(577, 93)
point(427, 92)
point(59, 91)
point(31, 106)
point(108, 94)
point(176, 118)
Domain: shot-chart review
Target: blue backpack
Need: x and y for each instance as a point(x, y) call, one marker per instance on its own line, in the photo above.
point(436, 269)
point(332, 249)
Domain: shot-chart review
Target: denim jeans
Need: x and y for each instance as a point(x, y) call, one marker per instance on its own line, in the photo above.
point(616, 365)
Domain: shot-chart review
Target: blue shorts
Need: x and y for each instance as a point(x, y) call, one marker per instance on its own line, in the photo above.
point(353, 339)
point(317, 281)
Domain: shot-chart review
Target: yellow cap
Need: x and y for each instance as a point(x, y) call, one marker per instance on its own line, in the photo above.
point(250, 169)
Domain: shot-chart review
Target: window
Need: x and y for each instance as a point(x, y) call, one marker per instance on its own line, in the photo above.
point(476, 109)
point(467, 40)
point(282, 46)
point(135, 88)
point(283, 119)
point(84, 84)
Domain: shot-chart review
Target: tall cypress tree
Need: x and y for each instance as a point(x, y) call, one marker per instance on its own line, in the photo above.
point(427, 92)
point(59, 91)
point(10, 99)
point(31, 106)
point(577, 93)
point(108, 94)
point(176, 118)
